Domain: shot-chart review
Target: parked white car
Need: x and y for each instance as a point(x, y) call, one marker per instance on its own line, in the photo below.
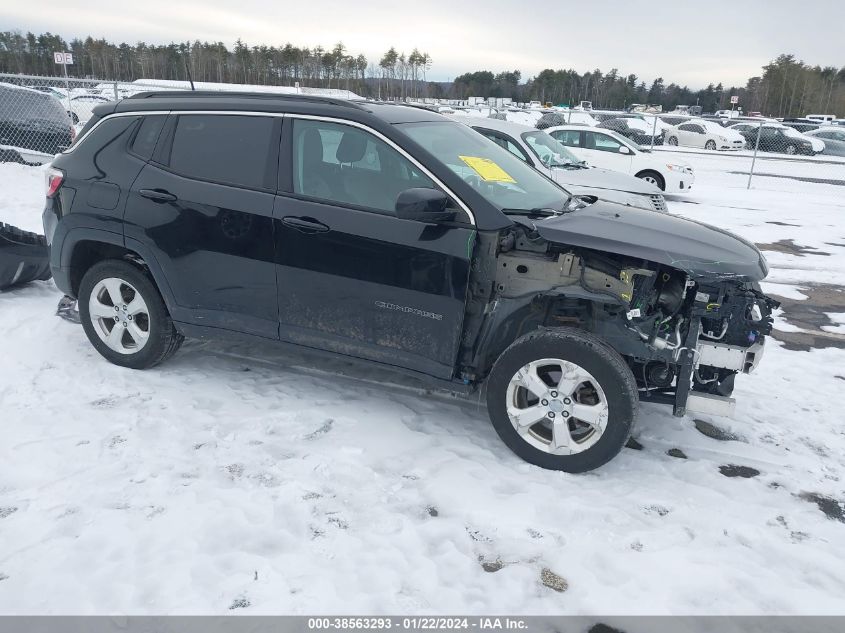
point(82, 106)
point(607, 149)
point(705, 134)
point(551, 158)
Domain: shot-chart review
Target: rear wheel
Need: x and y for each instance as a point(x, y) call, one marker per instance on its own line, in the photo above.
point(672, 140)
point(710, 145)
point(654, 178)
point(563, 400)
point(125, 317)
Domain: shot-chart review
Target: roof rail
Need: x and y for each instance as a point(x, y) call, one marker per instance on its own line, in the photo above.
point(271, 96)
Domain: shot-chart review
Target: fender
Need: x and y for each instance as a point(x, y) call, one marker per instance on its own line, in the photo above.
point(60, 262)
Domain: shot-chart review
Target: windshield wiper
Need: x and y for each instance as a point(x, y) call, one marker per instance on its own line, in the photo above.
point(539, 211)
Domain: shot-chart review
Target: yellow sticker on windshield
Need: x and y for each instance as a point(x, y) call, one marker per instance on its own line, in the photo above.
point(487, 169)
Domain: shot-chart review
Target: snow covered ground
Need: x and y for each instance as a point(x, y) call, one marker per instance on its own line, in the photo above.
point(241, 477)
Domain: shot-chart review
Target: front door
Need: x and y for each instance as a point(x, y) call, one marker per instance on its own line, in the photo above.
point(204, 207)
point(352, 277)
point(602, 150)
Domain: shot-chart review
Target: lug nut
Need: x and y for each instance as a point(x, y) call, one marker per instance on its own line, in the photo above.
point(567, 401)
point(116, 309)
point(128, 317)
point(124, 308)
point(116, 319)
point(124, 324)
point(545, 403)
point(551, 414)
point(565, 414)
point(553, 394)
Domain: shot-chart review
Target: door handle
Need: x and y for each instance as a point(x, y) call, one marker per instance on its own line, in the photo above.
point(157, 195)
point(305, 225)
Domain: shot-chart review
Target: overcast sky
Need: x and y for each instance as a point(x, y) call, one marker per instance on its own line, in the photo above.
point(685, 42)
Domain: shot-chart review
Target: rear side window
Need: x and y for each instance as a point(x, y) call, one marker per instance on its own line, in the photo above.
point(145, 138)
point(570, 138)
point(229, 149)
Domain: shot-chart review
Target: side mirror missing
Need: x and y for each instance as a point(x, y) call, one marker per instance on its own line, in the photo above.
point(623, 149)
point(424, 205)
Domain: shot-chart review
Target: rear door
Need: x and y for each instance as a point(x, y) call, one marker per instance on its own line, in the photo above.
point(352, 277)
point(204, 206)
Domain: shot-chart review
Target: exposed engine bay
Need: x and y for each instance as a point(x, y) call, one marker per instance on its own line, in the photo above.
point(685, 333)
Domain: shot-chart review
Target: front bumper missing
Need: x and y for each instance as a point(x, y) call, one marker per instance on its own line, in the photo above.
point(733, 357)
point(697, 352)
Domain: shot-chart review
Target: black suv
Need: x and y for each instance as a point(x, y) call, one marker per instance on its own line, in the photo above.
point(395, 235)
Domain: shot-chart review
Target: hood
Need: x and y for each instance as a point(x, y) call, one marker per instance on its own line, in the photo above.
point(699, 249)
point(597, 178)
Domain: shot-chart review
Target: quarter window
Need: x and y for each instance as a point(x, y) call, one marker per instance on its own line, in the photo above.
point(344, 164)
point(147, 135)
point(229, 149)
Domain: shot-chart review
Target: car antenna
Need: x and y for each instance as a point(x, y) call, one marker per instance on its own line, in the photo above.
point(188, 72)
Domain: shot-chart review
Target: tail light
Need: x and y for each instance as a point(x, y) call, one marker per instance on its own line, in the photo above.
point(55, 178)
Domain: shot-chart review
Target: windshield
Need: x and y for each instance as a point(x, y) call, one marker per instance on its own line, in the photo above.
point(500, 177)
point(550, 151)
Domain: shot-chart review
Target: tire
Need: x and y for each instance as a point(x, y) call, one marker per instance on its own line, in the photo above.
point(98, 287)
point(654, 178)
point(672, 140)
point(711, 145)
point(604, 388)
point(791, 149)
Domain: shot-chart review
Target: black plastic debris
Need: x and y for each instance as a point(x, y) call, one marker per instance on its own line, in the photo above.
point(24, 257)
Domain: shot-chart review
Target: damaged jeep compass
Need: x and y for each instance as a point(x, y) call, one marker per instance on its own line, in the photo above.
point(393, 235)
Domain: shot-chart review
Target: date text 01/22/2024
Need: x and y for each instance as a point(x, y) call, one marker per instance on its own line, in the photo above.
point(418, 623)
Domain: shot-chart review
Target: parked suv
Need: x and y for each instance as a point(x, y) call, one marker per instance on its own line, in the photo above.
point(395, 235)
point(33, 126)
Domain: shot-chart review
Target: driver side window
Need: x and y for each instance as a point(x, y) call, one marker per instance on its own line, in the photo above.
point(350, 166)
point(602, 142)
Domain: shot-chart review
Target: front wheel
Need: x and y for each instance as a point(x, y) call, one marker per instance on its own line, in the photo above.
point(562, 400)
point(124, 316)
point(711, 145)
point(653, 178)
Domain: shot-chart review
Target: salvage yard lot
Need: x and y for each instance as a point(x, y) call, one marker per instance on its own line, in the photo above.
point(244, 478)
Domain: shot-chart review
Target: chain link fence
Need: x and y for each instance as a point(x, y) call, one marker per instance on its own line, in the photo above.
point(772, 154)
point(40, 116)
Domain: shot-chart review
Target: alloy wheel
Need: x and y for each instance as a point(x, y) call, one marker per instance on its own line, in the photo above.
point(119, 315)
point(557, 406)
